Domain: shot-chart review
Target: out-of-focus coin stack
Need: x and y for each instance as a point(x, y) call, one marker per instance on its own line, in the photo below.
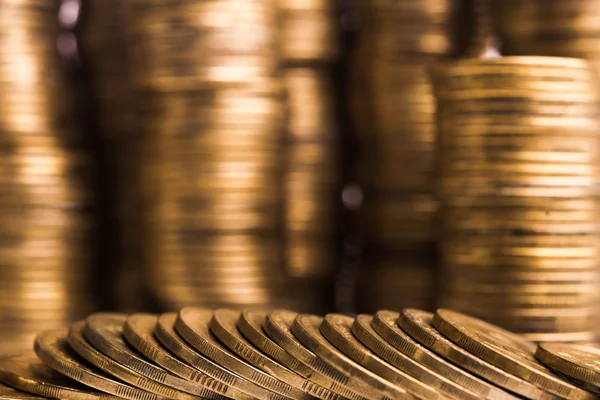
point(518, 186)
point(309, 43)
point(211, 98)
point(394, 109)
point(44, 269)
point(105, 55)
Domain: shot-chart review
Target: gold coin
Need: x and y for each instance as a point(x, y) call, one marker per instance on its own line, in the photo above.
point(139, 333)
point(503, 349)
point(52, 348)
point(417, 324)
point(79, 343)
point(193, 325)
point(8, 393)
point(363, 330)
point(168, 336)
point(577, 362)
point(384, 323)
point(104, 331)
point(278, 325)
point(337, 329)
point(251, 325)
point(223, 325)
point(29, 374)
point(306, 328)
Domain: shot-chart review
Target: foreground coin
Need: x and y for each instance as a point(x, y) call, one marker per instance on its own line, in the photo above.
point(579, 363)
point(193, 325)
point(278, 326)
point(306, 329)
point(384, 323)
point(337, 329)
point(223, 325)
point(168, 336)
point(104, 331)
point(52, 348)
point(139, 332)
point(251, 325)
point(8, 393)
point(78, 342)
point(29, 374)
point(417, 324)
point(503, 349)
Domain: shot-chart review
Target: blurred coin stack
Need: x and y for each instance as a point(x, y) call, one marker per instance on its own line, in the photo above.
point(395, 119)
point(518, 185)
point(211, 108)
point(309, 43)
point(105, 56)
point(44, 269)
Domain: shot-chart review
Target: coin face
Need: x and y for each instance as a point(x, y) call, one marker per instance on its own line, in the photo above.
point(8, 393)
point(580, 363)
point(503, 349)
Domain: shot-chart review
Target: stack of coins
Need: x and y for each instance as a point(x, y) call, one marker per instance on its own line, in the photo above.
point(104, 51)
point(44, 268)
point(280, 354)
point(518, 185)
point(211, 112)
point(395, 120)
point(309, 45)
point(549, 28)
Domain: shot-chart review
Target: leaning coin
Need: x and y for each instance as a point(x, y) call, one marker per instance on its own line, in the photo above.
point(337, 329)
point(503, 349)
point(52, 348)
point(365, 333)
point(193, 325)
point(168, 336)
point(139, 332)
point(251, 325)
point(78, 342)
point(417, 324)
point(278, 326)
point(104, 331)
point(579, 363)
point(29, 374)
point(8, 393)
point(223, 325)
point(306, 329)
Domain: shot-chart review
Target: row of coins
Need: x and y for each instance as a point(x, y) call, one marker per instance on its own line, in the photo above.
point(281, 354)
point(44, 258)
point(394, 110)
point(518, 186)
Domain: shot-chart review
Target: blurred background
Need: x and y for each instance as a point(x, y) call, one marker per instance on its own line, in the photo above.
point(282, 153)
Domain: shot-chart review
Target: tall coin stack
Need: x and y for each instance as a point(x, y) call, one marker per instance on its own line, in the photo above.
point(44, 269)
point(519, 178)
point(309, 43)
point(395, 118)
point(211, 99)
point(105, 55)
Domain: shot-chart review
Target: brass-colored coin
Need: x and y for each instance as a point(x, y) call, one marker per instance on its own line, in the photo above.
point(278, 325)
point(52, 348)
point(78, 342)
point(223, 325)
point(503, 349)
point(104, 331)
point(8, 393)
point(29, 374)
point(384, 323)
point(337, 329)
point(306, 329)
point(193, 325)
point(168, 336)
point(576, 362)
point(139, 333)
point(251, 324)
point(363, 330)
point(418, 325)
